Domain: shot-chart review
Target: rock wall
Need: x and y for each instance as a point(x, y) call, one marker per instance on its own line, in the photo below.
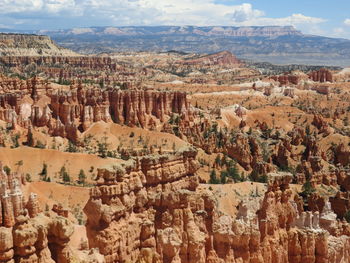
point(322, 75)
point(87, 63)
point(30, 45)
point(26, 234)
point(286, 79)
point(127, 212)
point(324, 90)
point(68, 112)
point(67, 69)
point(152, 211)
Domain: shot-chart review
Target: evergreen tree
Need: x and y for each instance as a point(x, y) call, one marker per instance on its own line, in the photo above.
point(30, 139)
point(223, 176)
point(43, 173)
point(64, 175)
point(307, 189)
point(213, 179)
point(81, 177)
point(102, 148)
point(218, 160)
point(232, 171)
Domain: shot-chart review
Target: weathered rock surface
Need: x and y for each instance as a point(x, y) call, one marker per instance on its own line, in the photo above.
point(66, 113)
point(286, 79)
point(26, 234)
point(151, 211)
point(30, 45)
point(322, 75)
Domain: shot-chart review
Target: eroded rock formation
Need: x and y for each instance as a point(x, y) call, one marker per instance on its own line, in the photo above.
point(322, 75)
point(26, 234)
point(286, 79)
point(67, 112)
point(152, 211)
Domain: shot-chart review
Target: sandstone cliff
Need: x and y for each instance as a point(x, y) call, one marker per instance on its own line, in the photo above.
point(322, 75)
point(30, 45)
point(26, 234)
point(66, 113)
point(150, 210)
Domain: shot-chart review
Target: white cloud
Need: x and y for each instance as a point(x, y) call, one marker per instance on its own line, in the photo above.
point(347, 21)
point(294, 20)
point(147, 12)
point(17, 6)
point(245, 12)
point(27, 6)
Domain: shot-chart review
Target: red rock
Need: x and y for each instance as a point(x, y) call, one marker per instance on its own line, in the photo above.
point(67, 113)
point(322, 75)
point(25, 232)
point(151, 210)
point(286, 79)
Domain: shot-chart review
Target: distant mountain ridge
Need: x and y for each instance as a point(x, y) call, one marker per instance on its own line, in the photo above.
point(229, 31)
point(274, 44)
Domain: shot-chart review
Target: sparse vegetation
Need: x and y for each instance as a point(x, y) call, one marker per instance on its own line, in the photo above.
point(81, 177)
point(64, 175)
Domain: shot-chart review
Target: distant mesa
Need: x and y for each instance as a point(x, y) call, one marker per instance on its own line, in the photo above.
point(31, 45)
point(261, 31)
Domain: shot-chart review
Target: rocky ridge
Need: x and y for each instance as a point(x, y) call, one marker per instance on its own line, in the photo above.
point(278, 45)
point(30, 45)
point(265, 31)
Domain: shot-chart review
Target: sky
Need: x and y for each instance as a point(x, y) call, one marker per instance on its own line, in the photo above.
point(318, 17)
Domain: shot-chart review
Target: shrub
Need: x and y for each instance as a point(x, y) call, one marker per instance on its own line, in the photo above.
point(72, 148)
point(7, 170)
point(262, 179)
point(213, 179)
point(15, 140)
point(40, 145)
point(28, 177)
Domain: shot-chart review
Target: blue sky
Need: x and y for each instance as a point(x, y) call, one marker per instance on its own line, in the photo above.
point(320, 17)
